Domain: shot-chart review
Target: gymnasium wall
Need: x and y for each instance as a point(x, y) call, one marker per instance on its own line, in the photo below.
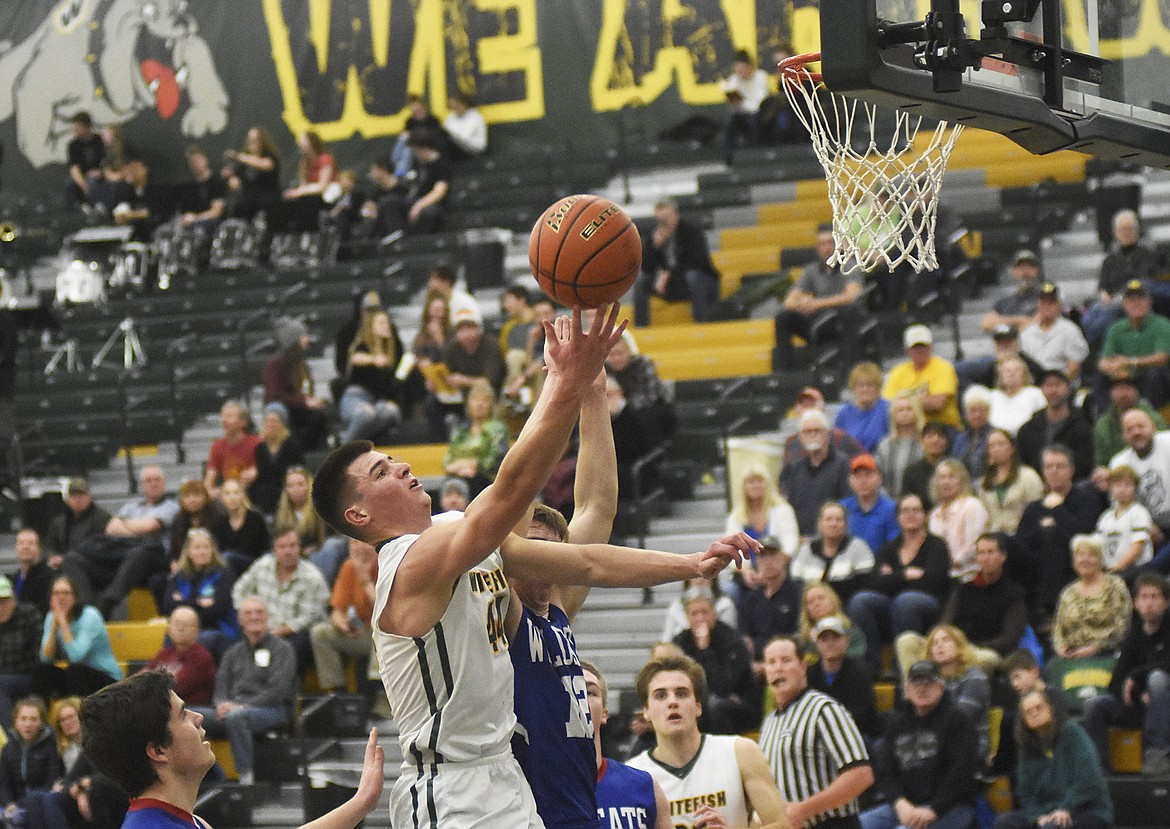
point(173, 72)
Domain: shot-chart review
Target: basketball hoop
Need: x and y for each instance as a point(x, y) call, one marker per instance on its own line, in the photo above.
point(884, 198)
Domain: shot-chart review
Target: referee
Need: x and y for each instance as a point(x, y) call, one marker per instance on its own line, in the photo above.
point(812, 744)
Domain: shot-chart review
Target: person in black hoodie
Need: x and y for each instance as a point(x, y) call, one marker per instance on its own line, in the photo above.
point(842, 677)
point(29, 761)
point(926, 765)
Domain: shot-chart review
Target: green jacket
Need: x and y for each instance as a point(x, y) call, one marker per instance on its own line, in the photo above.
point(1070, 779)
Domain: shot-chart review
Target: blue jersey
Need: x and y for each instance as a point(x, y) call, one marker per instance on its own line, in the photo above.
point(625, 797)
point(554, 733)
point(148, 813)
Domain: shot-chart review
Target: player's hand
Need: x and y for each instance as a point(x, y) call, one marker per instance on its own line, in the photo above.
point(708, 818)
point(727, 550)
point(796, 815)
point(369, 789)
point(577, 356)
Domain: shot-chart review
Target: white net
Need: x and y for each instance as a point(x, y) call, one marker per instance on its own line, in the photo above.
point(884, 196)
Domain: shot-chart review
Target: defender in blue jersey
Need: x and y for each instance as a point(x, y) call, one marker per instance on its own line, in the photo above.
point(141, 735)
point(627, 798)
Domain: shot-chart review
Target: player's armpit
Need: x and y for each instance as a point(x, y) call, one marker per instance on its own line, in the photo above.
point(422, 585)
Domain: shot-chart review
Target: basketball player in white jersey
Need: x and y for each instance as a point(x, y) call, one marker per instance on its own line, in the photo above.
point(442, 595)
point(711, 781)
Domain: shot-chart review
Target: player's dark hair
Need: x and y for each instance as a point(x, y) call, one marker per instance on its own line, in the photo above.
point(1021, 659)
point(118, 724)
point(797, 644)
point(332, 491)
point(82, 117)
point(662, 664)
point(551, 518)
point(1152, 580)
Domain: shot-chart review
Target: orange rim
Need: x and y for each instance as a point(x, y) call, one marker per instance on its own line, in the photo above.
point(795, 68)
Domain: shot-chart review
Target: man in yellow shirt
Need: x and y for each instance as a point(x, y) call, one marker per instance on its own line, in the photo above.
point(932, 378)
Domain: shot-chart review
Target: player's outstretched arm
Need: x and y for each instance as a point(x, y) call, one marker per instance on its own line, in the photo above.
point(574, 358)
point(760, 787)
point(604, 565)
point(595, 488)
point(369, 791)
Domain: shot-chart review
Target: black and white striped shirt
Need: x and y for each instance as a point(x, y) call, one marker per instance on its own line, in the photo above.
point(808, 744)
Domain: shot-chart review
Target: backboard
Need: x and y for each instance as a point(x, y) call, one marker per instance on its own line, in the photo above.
point(1086, 75)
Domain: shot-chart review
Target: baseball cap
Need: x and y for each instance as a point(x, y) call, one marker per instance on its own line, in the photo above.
point(6, 588)
point(1025, 255)
point(1049, 290)
point(466, 316)
point(917, 335)
point(829, 623)
point(924, 671)
point(863, 461)
point(77, 486)
point(1135, 287)
point(1005, 331)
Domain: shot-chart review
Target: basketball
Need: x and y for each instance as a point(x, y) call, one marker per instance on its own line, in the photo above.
point(584, 250)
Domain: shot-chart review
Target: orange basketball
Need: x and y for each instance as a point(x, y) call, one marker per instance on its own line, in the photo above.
point(585, 250)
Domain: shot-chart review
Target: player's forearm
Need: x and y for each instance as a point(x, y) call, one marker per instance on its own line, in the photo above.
point(605, 565)
point(595, 486)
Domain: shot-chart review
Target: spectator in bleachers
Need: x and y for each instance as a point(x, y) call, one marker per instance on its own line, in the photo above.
point(75, 634)
point(515, 334)
point(196, 510)
point(465, 127)
point(1093, 613)
point(233, 455)
point(958, 517)
point(634, 437)
point(676, 265)
point(988, 609)
point(1140, 686)
point(20, 640)
point(253, 175)
point(675, 621)
point(1148, 453)
point(761, 511)
point(1125, 529)
point(833, 556)
point(732, 703)
point(1127, 261)
point(745, 89)
point(293, 591)
point(83, 519)
point(186, 657)
point(287, 381)
point(420, 119)
point(821, 476)
point(902, 445)
point(927, 762)
point(83, 155)
point(1018, 307)
point(371, 404)
point(478, 444)
point(984, 371)
point(350, 214)
point(1024, 676)
point(807, 399)
point(441, 281)
point(1051, 339)
point(771, 607)
point(1059, 781)
point(148, 204)
point(1014, 399)
point(641, 386)
point(1058, 422)
point(931, 378)
point(417, 202)
point(244, 537)
point(347, 631)
point(29, 762)
point(107, 189)
point(1138, 346)
point(1007, 485)
point(970, 444)
point(867, 416)
point(65, 721)
point(471, 356)
point(202, 581)
point(918, 477)
point(455, 495)
point(206, 203)
point(1108, 439)
point(843, 677)
point(303, 202)
point(277, 452)
point(133, 548)
point(908, 586)
point(948, 648)
point(254, 687)
point(33, 577)
point(296, 511)
point(1039, 557)
point(365, 303)
point(869, 511)
point(818, 601)
point(821, 287)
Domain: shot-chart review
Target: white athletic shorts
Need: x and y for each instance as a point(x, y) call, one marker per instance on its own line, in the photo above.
point(485, 794)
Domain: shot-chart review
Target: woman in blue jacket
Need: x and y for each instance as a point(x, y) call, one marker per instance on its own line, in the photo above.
point(203, 581)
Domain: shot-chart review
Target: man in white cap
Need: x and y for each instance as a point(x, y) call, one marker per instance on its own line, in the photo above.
point(931, 377)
